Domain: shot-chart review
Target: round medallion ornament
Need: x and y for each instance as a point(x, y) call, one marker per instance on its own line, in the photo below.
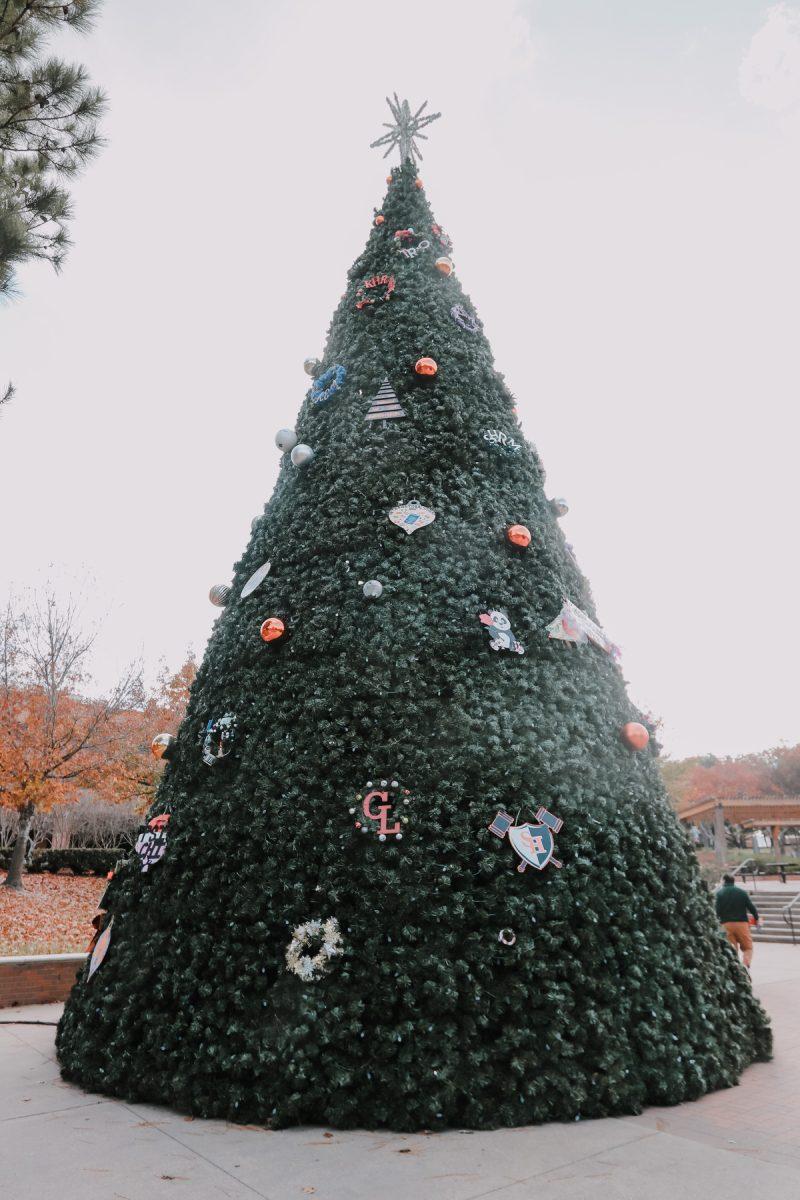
point(426, 366)
point(219, 594)
point(311, 966)
point(635, 736)
point(311, 365)
point(256, 579)
point(218, 738)
point(445, 265)
point(302, 455)
point(161, 745)
point(464, 318)
point(328, 384)
point(519, 535)
point(285, 440)
point(272, 629)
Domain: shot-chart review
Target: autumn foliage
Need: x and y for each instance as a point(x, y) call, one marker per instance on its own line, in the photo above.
point(771, 773)
point(55, 737)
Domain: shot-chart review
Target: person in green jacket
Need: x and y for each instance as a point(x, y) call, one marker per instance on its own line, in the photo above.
point(733, 904)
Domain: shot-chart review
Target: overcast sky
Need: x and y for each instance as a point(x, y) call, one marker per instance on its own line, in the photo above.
point(622, 184)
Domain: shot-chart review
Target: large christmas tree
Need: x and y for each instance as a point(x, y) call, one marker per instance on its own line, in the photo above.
point(413, 704)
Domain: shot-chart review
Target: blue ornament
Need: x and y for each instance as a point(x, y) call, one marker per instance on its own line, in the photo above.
point(328, 384)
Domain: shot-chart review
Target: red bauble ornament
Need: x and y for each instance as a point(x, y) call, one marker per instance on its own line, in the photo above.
point(635, 736)
point(380, 219)
point(519, 535)
point(272, 629)
point(426, 366)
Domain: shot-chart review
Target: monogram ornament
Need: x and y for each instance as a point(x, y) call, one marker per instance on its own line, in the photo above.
point(411, 516)
point(376, 810)
point(533, 843)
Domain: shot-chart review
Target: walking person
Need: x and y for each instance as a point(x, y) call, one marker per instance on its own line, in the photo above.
point(733, 905)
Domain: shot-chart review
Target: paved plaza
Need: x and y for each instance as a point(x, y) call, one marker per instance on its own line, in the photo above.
point(57, 1142)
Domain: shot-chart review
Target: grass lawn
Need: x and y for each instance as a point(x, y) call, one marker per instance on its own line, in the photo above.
point(53, 915)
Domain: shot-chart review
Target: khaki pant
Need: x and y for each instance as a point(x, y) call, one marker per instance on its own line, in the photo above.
point(739, 935)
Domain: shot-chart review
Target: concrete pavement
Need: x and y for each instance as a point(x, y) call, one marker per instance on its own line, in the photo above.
point(58, 1143)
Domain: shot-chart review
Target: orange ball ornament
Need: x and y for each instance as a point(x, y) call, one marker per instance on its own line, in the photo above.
point(388, 179)
point(635, 736)
point(426, 366)
point(272, 629)
point(445, 265)
point(418, 183)
point(519, 535)
point(380, 219)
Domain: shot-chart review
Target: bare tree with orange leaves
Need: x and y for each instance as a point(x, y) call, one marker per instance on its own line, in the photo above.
point(53, 738)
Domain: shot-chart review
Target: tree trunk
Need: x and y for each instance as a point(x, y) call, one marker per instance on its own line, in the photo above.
point(14, 877)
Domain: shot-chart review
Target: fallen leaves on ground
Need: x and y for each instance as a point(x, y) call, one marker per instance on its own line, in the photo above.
point(53, 915)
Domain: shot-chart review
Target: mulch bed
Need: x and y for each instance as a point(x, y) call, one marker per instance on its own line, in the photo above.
point(53, 915)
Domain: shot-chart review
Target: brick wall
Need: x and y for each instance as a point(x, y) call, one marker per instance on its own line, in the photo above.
point(38, 978)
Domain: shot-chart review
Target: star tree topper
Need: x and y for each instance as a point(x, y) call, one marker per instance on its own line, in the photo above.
point(405, 130)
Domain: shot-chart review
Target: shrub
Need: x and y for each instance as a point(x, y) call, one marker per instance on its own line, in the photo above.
point(80, 861)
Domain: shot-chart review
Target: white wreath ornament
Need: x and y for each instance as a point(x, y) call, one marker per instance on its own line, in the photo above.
point(309, 966)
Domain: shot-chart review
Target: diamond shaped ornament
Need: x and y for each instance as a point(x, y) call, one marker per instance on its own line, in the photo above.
point(411, 516)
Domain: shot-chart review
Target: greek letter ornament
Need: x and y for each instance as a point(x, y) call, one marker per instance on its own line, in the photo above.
point(328, 383)
point(152, 844)
point(411, 516)
point(498, 627)
point(533, 843)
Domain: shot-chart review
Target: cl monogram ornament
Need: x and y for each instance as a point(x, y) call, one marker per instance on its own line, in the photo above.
point(377, 807)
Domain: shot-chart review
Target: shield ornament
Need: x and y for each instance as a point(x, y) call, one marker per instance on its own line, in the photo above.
point(533, 843)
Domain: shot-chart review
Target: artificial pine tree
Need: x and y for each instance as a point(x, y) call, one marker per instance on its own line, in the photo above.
point(334, 933)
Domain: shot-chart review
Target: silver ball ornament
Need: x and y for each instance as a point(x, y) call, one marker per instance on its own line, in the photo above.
point(311, 365)
point(381, 837)
point(559, 506)
point(219, 594)
point(302, 455)
point(285, 440)
point(372, 589)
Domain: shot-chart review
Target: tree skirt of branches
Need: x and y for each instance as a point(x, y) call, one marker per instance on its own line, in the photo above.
point(52, 916)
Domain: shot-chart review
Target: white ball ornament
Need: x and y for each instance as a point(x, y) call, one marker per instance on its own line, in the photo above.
point(302, 455)
point(372, 589)
point(285, 440)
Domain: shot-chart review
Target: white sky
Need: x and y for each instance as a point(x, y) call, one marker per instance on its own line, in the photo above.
point(622, 184)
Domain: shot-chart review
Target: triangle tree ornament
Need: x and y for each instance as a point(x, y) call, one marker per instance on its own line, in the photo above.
point(277, 965)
